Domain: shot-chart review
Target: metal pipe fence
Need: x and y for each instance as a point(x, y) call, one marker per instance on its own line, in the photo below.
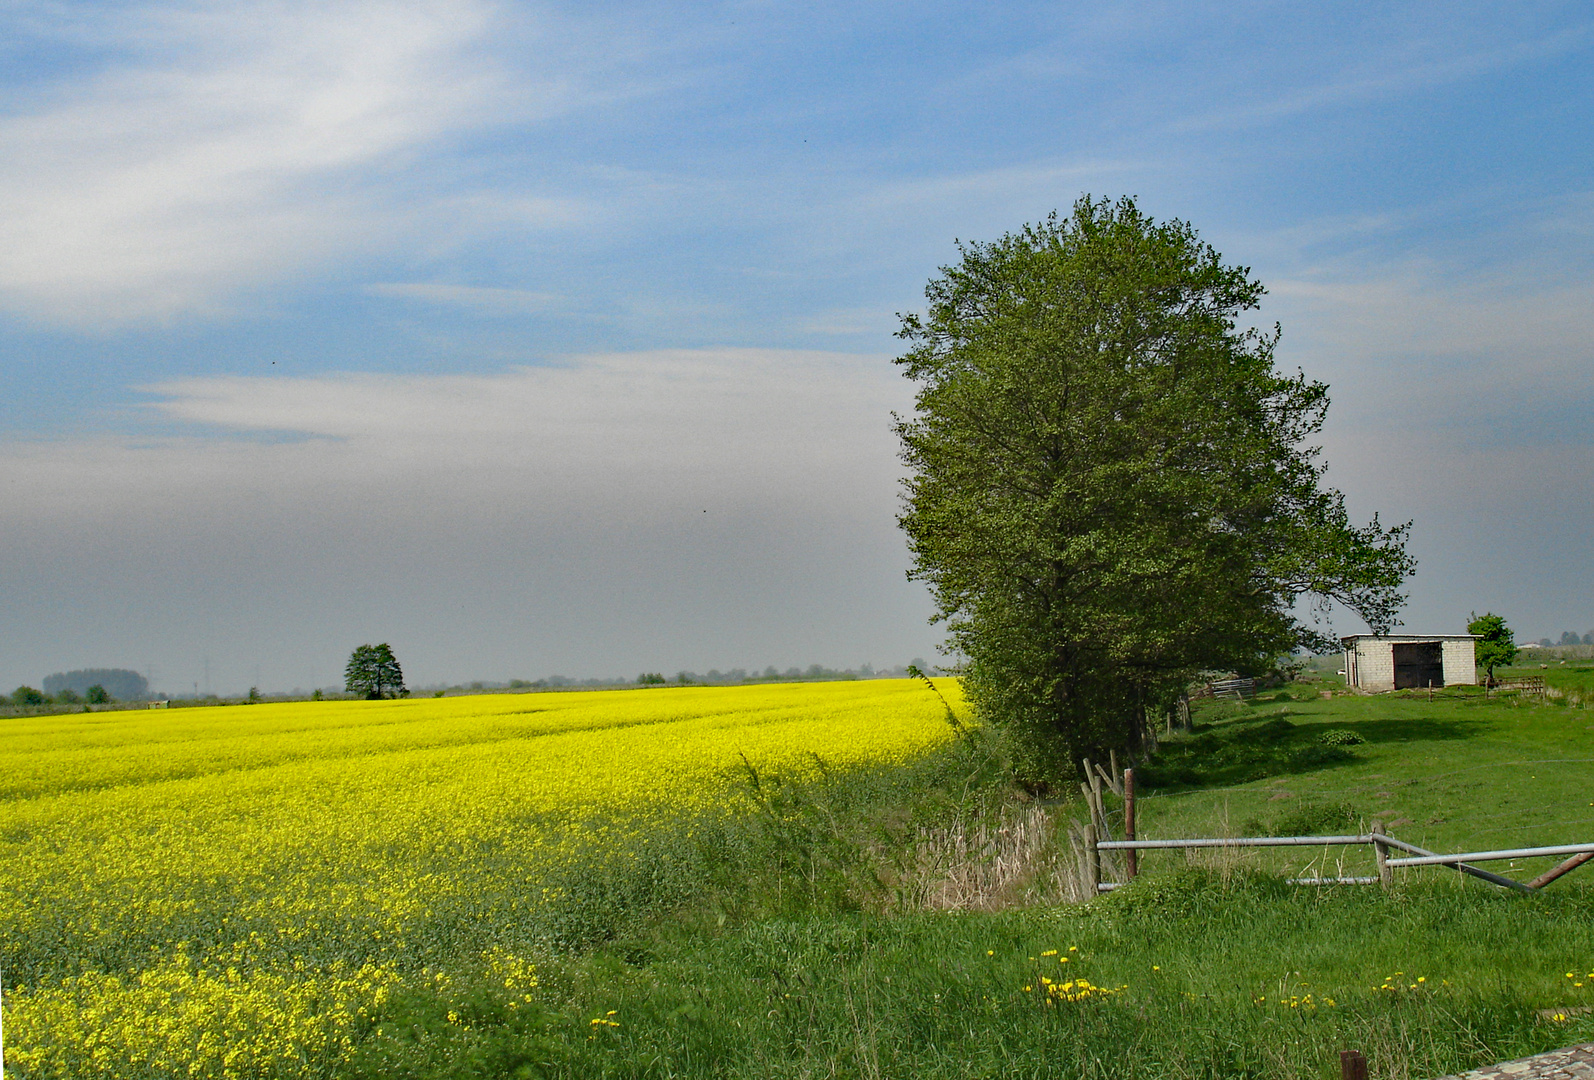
point(1098, 840)
point(1233, 841)
point(1488, 856)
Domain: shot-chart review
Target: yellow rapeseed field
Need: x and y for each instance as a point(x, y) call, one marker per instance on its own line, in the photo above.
point(224, 891)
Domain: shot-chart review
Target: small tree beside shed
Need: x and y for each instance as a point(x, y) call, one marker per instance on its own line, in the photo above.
point(1497, 646)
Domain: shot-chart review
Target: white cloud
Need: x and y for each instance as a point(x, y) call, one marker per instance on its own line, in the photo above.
point(1414, 314)
point(244, 142)
point(617, 436)
point(851, 320)
point(611, 426)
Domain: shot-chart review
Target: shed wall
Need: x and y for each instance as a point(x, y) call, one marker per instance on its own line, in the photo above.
point(1461, 663)
point(1375, 665)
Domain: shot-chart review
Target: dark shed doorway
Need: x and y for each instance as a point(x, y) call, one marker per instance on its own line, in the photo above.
point(1419, 664)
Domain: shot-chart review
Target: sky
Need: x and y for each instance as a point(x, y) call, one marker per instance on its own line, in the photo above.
point(556, 339)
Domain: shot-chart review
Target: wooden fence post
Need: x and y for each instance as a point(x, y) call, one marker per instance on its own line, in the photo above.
point(1565, 868)
point(1132, 860)
point(1092, 860)
point(1095, 811)
point(1352, 1066)
point(1386, 876)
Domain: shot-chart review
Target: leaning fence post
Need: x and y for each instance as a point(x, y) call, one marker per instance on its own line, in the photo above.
point(1092, 859)
point(1132, 860)
point(1386, 876)
point(1565, 868)
point(1352, 1066)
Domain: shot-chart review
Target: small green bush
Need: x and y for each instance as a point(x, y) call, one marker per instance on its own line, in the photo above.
point(1310, 819)
point(1340, 737)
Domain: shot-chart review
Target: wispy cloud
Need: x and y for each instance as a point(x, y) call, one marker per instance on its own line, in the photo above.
point(619, 430)
point(486, 299)
point(1400, 67)
point(237, 144)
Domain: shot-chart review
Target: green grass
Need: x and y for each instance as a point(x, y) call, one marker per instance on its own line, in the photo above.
point(1207, 970)
point(1219, 969)
point(1460, 772)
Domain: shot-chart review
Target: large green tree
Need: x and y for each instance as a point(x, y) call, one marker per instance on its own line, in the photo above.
point(374, 672)
point(1110, 484)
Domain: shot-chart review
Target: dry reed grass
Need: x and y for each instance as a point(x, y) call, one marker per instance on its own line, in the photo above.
point(1028, 854)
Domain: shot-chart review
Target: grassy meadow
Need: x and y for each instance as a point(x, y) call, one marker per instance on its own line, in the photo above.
point(1462, 772)
point(730, 882)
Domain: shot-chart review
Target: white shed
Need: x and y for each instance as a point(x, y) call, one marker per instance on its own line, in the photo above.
point(1410, 661)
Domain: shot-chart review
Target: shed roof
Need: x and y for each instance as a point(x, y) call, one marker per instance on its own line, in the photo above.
point(1353, 638)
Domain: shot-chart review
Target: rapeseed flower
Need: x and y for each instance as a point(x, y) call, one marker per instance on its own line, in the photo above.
point(319, 851)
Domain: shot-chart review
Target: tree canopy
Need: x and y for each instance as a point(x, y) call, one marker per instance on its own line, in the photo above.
point(1497, 646)
point(374, 672)
point(1110, 488)
point(119, 683)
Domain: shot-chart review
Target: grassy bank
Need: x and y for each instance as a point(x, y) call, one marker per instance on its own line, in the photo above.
point(1208, 977)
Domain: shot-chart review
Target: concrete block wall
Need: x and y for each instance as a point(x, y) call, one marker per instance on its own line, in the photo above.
point(1375, 665)
point(1461, 663)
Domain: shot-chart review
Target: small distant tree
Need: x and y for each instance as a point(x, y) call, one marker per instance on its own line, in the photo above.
point(373, 672)
point(651, 678)
point(1496, 646)
point(254, 695)
point(68, 696)
point(97, 695)
point(27, 695)
point(1569, 638)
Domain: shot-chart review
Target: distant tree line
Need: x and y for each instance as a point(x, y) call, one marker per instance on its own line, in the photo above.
point(93, 695)
point(119, 684)
point(812, 673)
point(714, 677)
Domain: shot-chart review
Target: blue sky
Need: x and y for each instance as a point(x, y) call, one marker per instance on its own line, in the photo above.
point(438, 323)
